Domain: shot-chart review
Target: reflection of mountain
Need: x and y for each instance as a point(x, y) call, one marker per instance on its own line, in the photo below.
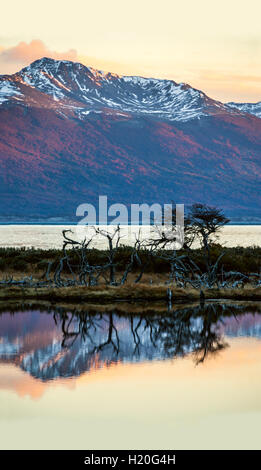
point(248, 325)
point(67, 344)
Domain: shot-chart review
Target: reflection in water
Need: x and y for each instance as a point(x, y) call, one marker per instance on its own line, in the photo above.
point(97, 380)
point(60, 343)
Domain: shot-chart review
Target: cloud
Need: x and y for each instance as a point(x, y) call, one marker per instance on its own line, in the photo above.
point(14, 58)
point(219, 83)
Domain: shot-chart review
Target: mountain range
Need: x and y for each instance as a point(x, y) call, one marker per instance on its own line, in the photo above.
point(69, 133)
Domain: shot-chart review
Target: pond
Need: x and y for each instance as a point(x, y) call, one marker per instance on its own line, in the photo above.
point(130, 377)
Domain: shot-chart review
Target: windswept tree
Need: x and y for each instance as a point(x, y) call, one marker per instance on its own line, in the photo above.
point(80, 264)
point(206, 223)
point(201, 224)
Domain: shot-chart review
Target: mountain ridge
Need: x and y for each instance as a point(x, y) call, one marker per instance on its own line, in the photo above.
point(161, 97)
point(250, 108)
point(69, 133)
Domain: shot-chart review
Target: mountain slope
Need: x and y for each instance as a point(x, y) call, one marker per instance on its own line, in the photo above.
point(250, 108)
point(80, 90)
point(70, 133)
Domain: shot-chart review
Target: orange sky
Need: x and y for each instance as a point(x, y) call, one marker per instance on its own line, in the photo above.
point(214, 46)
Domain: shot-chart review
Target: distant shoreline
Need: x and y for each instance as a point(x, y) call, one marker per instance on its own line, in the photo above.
point(63, 224)
point(47, 236)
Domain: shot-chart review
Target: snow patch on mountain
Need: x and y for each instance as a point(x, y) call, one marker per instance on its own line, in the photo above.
point(250, 108)
point(8, 91)
point(83, 90)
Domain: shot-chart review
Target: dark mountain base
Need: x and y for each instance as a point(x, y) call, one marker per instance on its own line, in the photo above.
point(51, 164)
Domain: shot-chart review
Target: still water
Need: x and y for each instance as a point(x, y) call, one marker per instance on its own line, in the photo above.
point(50, 236)
point(130, 377)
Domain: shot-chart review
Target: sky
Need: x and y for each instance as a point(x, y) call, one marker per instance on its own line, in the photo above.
point(213, 46)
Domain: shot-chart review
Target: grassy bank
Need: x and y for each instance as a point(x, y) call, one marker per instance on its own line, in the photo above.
point(129, 293)
point(31, 262)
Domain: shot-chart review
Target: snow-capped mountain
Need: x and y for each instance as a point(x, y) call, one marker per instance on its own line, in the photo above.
point(83, 90)
point(250, 108)
point(69, 133)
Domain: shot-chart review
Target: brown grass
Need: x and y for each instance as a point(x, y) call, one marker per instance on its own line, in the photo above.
point(129, 292)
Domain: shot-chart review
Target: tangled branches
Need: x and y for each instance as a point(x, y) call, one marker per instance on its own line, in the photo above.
point(77, 266)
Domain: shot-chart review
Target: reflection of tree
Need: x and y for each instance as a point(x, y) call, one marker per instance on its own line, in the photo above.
point(187, 330)
point(81, 325)
point(79, 340)
point(210, 340)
